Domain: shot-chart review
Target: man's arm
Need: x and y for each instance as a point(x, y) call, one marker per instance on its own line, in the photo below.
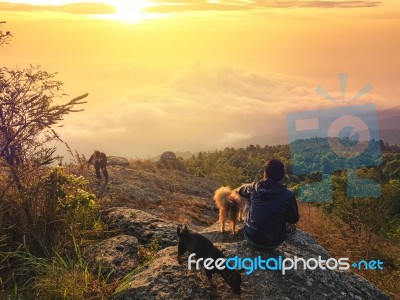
point(292, 215)
point(244, 190)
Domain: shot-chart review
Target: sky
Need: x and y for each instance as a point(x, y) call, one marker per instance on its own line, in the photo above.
point(202, 75)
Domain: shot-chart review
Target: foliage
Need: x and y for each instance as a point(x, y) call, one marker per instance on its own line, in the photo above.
point(54, 213)
point(57, 277)
point(46, 213)
point(146, 253)
point(27, 119)
point(4, 36)
point(53, 208)
point(236, 166)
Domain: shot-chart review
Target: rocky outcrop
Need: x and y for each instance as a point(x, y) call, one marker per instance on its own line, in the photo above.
point(152, 184)
point(165, 278)
point(117, 161)
point(167, 193)
point(147, 200)
point(144, 226)
point(168, 160)
point(115, 257)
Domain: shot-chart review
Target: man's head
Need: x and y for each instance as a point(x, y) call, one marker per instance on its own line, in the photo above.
point(96, 153)
point(274, 170)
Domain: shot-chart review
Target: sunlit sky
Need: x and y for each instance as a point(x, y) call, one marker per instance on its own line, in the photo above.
point(199, 75)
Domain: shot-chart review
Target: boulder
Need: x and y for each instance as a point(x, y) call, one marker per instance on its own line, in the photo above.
point(117, 161)
point(168, 155)
point(168, 160)
point(144, 226)
point(115, 257)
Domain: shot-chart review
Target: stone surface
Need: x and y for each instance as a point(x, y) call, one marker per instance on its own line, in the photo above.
point(165, 278)
point(144, 226)
point(167, 193)
point(115, 256)
point(168, 160)
point(117, 161)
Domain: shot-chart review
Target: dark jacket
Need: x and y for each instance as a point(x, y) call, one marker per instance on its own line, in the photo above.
point(271, 206)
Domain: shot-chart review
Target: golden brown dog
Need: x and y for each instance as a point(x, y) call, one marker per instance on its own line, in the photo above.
point(231, 207)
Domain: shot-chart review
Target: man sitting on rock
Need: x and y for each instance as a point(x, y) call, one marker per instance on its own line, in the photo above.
point(99, 159)
point(272, 208)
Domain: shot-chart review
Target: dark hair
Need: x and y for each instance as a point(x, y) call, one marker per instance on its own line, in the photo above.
point(274, 170)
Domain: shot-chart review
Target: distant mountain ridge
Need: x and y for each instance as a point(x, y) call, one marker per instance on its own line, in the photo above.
point(388, 123)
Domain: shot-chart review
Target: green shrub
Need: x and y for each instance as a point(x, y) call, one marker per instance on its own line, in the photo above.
point(41, 228)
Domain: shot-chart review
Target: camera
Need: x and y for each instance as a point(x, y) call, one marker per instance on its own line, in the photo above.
point(327, 140)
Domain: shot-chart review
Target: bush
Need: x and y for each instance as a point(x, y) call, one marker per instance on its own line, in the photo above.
point(56, 277)
point(40, 226)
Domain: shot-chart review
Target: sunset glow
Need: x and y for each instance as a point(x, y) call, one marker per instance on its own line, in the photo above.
point(130, 11)
point(204, 74)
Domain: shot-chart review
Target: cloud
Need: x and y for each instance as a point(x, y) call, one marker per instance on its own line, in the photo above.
point(197, 107)
point(83, 8)
point(204, 5)
point(233, 137)
point(178, 6)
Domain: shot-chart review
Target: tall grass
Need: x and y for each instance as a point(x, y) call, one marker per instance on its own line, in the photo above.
point(56, 277)
point(41, 230)
point(337, 237)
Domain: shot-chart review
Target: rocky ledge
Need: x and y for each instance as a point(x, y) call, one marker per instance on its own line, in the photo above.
point(164, 278)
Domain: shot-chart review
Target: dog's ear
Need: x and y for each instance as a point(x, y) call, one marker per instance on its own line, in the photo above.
point(179, 229)
point(184, 231)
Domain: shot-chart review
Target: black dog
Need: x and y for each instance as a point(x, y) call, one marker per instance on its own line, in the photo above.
point(100, 163)
point(203, 248)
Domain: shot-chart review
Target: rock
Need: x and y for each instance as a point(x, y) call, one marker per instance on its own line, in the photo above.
point(165, 278)
point(117, 161)
point(116, 256)
point(171, 194)
point(144, 226)
point(156, 184)
point(168, 155)
point(168, 160)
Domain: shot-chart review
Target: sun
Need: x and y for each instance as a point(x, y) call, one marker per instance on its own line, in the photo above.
point(130, 10)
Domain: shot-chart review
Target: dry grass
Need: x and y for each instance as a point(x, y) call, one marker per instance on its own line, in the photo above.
point(167, 193)
point(191, 211)
point(334, 235)
point(186, 211)
point(143, 164)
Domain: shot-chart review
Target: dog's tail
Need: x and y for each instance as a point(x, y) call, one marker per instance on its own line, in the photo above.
point(224, 197)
